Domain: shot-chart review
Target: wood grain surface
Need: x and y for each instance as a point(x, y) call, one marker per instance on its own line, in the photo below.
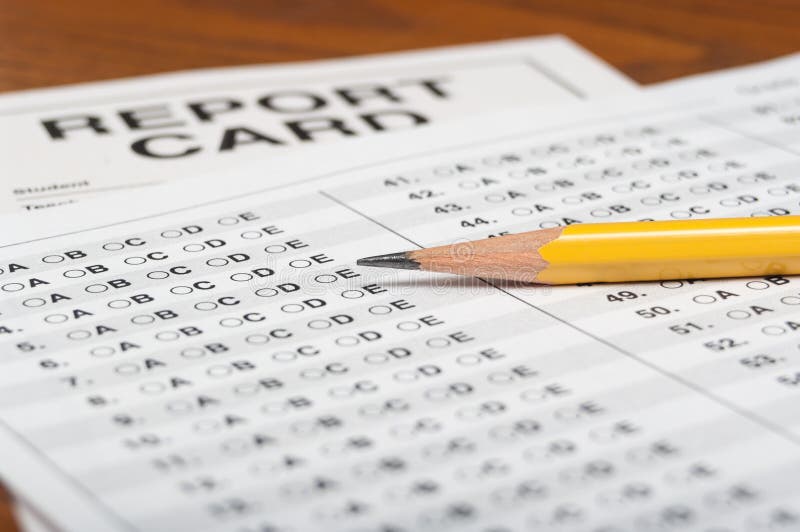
point(57, 42)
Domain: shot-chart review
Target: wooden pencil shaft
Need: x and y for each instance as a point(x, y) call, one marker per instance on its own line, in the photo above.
point(628, 251)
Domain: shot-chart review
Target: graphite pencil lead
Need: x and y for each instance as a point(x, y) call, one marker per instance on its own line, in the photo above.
point(400, 260)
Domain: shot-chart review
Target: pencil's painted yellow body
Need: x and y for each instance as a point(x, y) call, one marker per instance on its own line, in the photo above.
point(681, 249)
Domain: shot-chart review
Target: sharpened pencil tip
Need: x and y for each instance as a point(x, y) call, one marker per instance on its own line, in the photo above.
point(393, 260)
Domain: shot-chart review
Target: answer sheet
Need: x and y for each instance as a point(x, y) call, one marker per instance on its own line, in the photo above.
point(207, 356)
point(444, 83)
point(65, 144)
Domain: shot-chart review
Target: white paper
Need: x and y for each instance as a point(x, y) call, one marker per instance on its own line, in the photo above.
point(65, 144)
point(471, 78)
point(647, 406)
point(29, 521)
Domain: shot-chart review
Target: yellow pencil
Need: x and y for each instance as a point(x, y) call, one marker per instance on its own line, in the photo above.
point(618, 252)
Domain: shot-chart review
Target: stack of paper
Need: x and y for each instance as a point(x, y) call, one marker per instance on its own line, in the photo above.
point(200, 352)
